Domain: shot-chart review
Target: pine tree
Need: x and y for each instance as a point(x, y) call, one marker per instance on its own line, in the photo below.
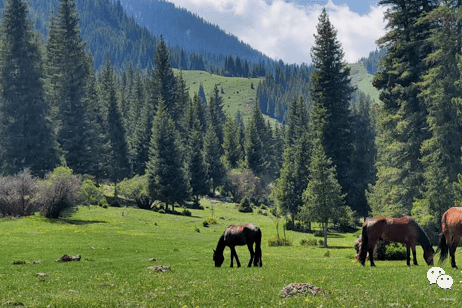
point(217, 115)
point(212, 156)
point(66, 77)
point(26, 134)
point(323, 199)
point(440, 88)
point(193, 140)
point(401, 123)
point(164, 83)
point(118, 165)
point(331, 87)
point(167, 181)
point(257, 147)
point(231, 146)
point(364, 154)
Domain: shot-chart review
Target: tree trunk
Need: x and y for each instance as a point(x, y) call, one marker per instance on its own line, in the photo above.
point(324, 230)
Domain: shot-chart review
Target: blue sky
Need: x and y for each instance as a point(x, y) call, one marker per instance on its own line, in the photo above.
point(283, 29)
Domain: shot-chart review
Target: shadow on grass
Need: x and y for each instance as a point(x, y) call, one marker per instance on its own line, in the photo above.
point(336, 247)
point(77, 222)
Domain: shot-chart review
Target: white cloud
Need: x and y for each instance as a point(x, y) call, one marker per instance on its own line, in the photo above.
point(285, 30)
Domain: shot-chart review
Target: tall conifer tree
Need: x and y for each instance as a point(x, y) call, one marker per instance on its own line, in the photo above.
point(118, 164)
point(332, 89)
point(402, 119)
point(66, 77)
point(26, 136)
point(167, 178)
point(440, 90)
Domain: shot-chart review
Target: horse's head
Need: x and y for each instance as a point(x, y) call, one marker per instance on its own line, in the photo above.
point(218, 258)
point(428, 256)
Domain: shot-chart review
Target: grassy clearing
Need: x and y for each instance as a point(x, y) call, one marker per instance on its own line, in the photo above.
point(363, 80)
point(238, 94)
point(116, 249)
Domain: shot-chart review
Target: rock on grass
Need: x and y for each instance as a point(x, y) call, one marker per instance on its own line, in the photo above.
point(300, 288)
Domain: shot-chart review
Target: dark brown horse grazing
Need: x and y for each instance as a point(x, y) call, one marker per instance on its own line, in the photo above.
point(239, 235)
point(451, 225)
point(403, 230)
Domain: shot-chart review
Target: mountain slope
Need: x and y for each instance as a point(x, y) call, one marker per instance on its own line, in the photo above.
point(187, 30)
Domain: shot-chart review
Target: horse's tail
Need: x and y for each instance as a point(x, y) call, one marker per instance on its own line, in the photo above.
point(364, 244)
point(443, 248)
point(258, 252)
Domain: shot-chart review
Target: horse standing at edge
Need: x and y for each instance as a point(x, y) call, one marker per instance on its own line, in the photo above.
point(451, 225)
point(239, 235)
point(403, 230)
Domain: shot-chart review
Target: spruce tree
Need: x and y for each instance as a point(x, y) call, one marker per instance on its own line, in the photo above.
point(26, 136)
point(331, 87)
point(441, 88)
point(167, 178)
point(212, 156)
point(193, 141)
point(217, 115)
point(118, 165)
point(323, 200)
point(66, 77)
point(163, 80)
point(402, 119)
point(231, 146)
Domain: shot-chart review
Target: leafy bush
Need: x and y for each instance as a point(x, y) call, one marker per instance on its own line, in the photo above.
point(59, 192)
point(18, 195)
point(309, 242)
point(244, 183)
point(210, 221)
point(92, 195)
point(186, 212)
point(136, 189)
point(245, 206)
point(390, 251)
point(279, 241)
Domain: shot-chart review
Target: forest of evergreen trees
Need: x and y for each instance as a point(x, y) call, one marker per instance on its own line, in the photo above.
point(329, 161)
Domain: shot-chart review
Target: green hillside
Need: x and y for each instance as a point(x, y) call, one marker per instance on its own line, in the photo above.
point(238, 94)
point(363, 80)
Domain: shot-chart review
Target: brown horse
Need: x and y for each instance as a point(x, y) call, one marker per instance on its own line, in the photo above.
point(403, 230)
point(451, 225)
point(239, 235)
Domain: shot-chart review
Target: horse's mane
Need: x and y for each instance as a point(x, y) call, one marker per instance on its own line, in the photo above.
point(423, 238)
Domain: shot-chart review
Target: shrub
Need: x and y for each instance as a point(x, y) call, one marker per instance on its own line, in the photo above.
point(18, 195)
point(309, 242)
point(210, 221)
point(245, 206)
point(92, 195)
point(59, 192)
point(186, 212)
point(279, 241)
point(390, 251)
point(244, 183)
point(136, 189)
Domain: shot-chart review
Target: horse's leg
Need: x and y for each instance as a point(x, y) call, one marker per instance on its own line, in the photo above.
point(233, 253)
point(414, 255)
point(408, 255)
point(370, 250)
point(252, 254)
point(257, 259)
point(452, 253)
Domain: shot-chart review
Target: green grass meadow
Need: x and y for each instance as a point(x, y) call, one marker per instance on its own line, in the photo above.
point(238, 94)
point(116, 250)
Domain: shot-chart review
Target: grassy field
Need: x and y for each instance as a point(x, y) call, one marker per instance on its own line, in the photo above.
point(116, 245)
point(238, 94)
point(363, 80)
